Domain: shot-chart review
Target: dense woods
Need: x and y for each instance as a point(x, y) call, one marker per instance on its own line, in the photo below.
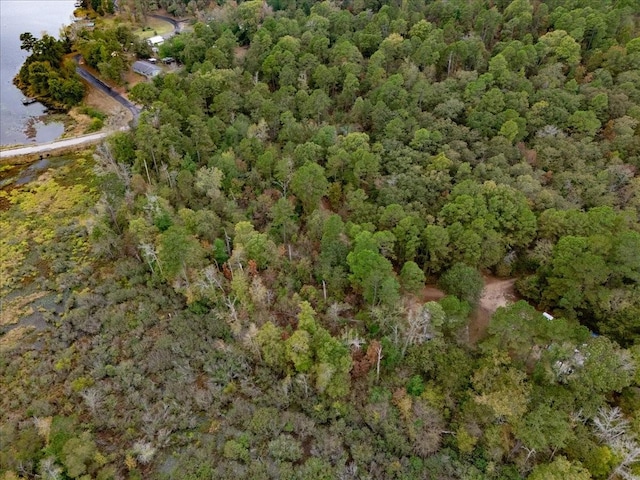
point(48, 73)
point(243, 296)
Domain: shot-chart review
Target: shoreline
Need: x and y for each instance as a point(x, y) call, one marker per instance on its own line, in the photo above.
point(18, 18)
point(115, 113)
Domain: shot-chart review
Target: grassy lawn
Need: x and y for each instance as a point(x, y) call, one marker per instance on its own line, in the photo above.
point(154, 27)
point(108, 22)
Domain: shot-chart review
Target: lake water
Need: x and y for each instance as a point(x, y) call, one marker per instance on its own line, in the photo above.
point(20, 124)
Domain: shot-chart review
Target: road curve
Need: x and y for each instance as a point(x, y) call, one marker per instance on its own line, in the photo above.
point(46, 147)
point(173, 21)
point(82, 139)
point(95, 137)
point(103, 87)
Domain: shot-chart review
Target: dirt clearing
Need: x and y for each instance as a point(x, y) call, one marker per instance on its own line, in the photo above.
point(118, 115)
point(497, 292)
point(240, 53)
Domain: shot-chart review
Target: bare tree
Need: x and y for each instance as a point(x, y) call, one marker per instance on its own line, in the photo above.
point(420, 324)
point(611, 426)
point(613, 430)
point(93, 398)
point(151, 256)
point(144, 451)
point(629, 450)
point(49, 470)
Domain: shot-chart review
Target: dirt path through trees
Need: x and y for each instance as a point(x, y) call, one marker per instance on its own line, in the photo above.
point(497, 292)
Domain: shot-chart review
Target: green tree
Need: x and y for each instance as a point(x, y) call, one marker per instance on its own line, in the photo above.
point(501, 388)
point(487, 215)
point(254, 245)
point(545, 428)
point(334, 246)
point(577, 271)
point(464, 282)
point(78, 453)
point(607, 368)
point(28, 41)
point(284, 221)
point(178, 252)
point(298, 348)
point(509, 130)
point(412, 277)
point(373, 275)
point(272, 347)
point(584, 122)
point(456, 312)
point(249, 15)
point(209, 181)
point(558, 45)
point(436, 240)
point(309, 185)
point(560, 469)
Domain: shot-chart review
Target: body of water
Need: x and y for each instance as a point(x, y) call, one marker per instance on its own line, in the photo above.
point(20, 124)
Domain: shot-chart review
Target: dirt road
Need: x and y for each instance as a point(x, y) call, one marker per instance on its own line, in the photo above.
point(497, 292)
point(82, 139)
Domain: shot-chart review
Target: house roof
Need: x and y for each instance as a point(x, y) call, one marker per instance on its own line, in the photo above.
point(145, 68)
point(157, 40)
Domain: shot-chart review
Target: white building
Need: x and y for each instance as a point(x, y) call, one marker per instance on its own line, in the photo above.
point(155, 41)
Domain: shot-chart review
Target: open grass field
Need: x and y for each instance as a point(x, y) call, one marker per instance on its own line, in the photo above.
point(154, 26)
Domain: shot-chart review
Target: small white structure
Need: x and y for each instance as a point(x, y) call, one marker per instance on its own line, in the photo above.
point(547, 316)
point(155, 41)
point(146, 69)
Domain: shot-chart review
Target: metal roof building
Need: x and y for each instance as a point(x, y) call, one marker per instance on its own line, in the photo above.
point(157, 40)
point(147, 69)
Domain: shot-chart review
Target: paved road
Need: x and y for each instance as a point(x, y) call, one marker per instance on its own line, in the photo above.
point(100, 85)
point(82, 139)
point(177, 27)
point(46, 147)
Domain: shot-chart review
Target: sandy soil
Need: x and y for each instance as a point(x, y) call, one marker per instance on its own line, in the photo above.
point(431, 293)
point(118, 115)
point(131, 79)
point(240, 53)
point(497, 293)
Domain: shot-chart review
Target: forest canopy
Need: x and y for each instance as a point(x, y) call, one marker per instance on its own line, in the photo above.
point(253, 304)
point(47, 73)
